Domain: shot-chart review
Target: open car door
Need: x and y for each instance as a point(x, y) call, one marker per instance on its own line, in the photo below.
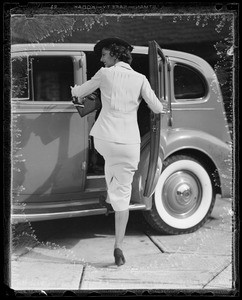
point(158, 80)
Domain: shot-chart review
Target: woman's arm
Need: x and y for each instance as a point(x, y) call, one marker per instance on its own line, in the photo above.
point(150, 98)
point(87, 87)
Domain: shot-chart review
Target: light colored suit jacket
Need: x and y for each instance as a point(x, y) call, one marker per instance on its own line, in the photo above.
point(121, 91)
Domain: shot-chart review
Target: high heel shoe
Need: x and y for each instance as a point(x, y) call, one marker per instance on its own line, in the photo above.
point(119, 257)
point(102, 201)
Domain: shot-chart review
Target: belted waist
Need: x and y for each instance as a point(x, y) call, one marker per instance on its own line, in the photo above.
point(121, 114)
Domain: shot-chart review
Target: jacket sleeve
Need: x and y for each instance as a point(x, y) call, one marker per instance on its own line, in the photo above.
point(87, 87)
point(150, 98)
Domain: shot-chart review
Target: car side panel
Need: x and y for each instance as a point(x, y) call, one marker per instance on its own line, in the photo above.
point(51, 148)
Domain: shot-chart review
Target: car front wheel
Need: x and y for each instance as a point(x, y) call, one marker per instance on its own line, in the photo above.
point(184, 197)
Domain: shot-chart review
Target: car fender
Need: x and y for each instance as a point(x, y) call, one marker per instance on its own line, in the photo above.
point(174, 141)
point(216, 150)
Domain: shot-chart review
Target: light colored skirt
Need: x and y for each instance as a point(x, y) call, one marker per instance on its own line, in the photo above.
point(121, 162)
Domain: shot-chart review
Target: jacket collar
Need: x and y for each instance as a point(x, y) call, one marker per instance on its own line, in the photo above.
point(123, 64)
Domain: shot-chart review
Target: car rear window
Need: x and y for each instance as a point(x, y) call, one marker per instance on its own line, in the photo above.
point(189, 84)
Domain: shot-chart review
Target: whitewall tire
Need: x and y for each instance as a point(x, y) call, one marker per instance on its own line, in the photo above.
point(183, 198)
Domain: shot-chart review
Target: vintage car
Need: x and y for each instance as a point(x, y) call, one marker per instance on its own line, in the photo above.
point(186, 153)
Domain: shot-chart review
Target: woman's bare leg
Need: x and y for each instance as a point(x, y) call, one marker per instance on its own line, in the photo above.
point(121, 220)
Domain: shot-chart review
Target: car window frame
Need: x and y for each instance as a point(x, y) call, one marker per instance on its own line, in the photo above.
point(197, 69)
point(79, 72)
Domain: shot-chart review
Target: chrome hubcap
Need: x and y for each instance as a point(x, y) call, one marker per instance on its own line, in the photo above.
point(181, 194)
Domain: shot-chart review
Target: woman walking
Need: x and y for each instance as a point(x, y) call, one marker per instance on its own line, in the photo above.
point(116, 132)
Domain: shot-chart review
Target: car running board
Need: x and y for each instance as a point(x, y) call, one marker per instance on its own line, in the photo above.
point(69, 214)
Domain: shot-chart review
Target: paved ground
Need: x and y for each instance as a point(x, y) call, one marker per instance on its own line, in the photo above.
point(76, 255)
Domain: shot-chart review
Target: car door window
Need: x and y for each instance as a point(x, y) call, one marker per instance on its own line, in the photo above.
point(188, 84)
point(52, 78)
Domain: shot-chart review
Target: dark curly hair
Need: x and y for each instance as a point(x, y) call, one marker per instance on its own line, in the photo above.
point(122, 53)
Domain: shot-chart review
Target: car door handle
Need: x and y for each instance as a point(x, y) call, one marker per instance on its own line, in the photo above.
point(170, 120)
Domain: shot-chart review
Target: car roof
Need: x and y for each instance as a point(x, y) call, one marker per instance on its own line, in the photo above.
point(82, 47)
point(65, 47)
